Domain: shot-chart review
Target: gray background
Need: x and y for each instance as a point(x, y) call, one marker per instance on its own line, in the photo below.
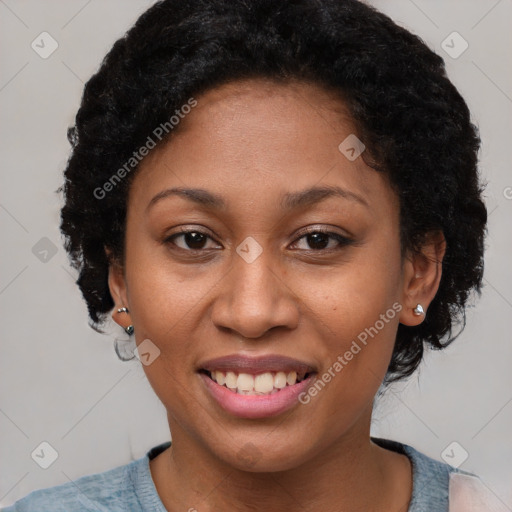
point(62, 383)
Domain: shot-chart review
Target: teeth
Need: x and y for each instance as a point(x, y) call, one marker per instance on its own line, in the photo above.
point(220, 377)
point(230, 380)
point(245, 382)
point(262, 384)
point(280, 380)
point(291, 378)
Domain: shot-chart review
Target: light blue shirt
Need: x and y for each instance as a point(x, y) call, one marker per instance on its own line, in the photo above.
point(131, 488)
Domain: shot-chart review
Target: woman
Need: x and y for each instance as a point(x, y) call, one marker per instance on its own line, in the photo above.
point(279, 202)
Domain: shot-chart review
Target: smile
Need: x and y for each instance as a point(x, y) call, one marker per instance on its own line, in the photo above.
point(256, 387)
point(266, 383)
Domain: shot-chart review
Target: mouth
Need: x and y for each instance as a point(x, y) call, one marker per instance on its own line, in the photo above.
point(267, 383)
point(256, 387)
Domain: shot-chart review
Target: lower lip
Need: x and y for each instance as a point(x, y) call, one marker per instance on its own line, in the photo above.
point(256, 406)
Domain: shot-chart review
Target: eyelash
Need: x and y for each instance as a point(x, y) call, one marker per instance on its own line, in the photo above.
point(342, 240)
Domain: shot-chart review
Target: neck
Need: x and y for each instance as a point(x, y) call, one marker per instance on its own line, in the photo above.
point(354, 474)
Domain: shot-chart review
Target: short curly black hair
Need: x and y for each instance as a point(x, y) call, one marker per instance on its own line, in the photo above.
point(413, 121)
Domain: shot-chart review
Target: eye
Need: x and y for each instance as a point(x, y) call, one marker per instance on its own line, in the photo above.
point(321, 240)
point(192, 240)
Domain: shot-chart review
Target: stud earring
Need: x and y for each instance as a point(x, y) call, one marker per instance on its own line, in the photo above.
point(128, 330)
point(418, 310)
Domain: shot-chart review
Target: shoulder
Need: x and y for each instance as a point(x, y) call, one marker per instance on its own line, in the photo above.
point(431, 478)
point(431, 481)
point(441, 487)
point(118, 489)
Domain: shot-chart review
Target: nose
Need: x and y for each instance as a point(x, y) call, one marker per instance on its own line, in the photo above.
point(253, 299)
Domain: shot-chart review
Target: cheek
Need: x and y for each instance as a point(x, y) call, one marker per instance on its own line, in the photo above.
point(354, 310)
point(162, 306)
point(167, 301)
point(167, 306)
point(352, 297)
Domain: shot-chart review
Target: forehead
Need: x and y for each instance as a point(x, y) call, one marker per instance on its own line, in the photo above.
point(254, 95)
point(248, 135)
point(252, 112)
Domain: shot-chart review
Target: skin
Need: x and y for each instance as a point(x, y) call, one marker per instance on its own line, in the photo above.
point(250, 143)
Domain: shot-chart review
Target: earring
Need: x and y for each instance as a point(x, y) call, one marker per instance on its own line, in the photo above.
point(125, 349)
point(129, 330)
point(418, 310)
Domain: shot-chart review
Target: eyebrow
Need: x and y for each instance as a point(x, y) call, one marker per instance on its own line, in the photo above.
point(198, 195)
point(292, 200)
point(314, 195)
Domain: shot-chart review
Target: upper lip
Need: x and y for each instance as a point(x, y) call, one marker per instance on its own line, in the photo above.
point(256, 364)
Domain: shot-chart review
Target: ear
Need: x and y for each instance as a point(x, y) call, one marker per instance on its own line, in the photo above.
point(421, 273)
point(117, 286)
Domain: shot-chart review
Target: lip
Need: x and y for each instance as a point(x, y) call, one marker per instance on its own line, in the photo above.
point(256, 406)
point(256, 364)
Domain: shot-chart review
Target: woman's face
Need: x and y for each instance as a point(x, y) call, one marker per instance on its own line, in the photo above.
point(292, 264)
